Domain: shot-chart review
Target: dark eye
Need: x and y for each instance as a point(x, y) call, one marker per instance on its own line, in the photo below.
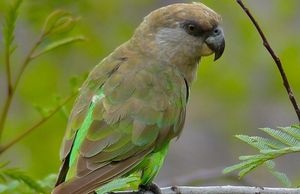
point(191, 28)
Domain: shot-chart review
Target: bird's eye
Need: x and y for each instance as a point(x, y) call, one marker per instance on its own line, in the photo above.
point(191, 27)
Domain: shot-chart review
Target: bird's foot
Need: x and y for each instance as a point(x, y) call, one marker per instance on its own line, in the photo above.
point(152, 187)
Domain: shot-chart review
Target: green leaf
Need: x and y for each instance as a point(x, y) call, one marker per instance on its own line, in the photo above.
point(260, 142)
point(286, 141)
point(270, 164)
point(251, 157)
point(13, 186)
point(18, 175)
point(296, 126)
point(281, 151)
point(52, 19)
point(282, 177)
point(245, 171)
point(59, 43)
point(293, 131)
point(58, 21)
point(242, 165)
point(281, 136)
point(9, 25)
point(9, 187)
point(48, 182)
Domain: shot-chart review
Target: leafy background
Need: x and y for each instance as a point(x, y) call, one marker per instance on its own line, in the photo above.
point(235, 95)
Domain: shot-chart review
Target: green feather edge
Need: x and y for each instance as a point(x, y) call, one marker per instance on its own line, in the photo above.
point(82, 132)
point(119, 184)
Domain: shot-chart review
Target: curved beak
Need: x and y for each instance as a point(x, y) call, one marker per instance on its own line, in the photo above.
point(216, 42)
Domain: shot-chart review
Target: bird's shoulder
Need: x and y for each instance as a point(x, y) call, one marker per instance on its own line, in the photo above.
point(130, 89)
point(147, 87)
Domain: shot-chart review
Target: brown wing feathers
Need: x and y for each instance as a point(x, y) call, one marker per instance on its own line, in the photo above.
point(131, 121)
point(99, 177)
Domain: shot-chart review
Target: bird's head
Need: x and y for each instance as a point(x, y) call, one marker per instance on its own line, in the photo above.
point(181, 34)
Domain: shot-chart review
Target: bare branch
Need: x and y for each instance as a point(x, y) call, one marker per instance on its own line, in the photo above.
point(8, 34)
point(204, 176)
point(8, 70)
point(219, 190)
point(28, 58)
point(13, 87)
point(275, 58)
point(42, 121)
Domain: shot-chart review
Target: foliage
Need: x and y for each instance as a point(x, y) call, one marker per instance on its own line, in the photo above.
point(9, 25)
point(16, 186)
point(285, 140)
point(15, 180)
point(59, 43)
point(12, 177)
point(57, 22)
point(242, 90)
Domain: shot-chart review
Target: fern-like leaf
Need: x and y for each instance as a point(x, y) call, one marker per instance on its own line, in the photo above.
point(239, 166)
point(293, 131)
point(279, 175)
point(48, 182)
point(282, 136)
point(286, 140)
point(260, 142)
point(9, 25)
point(20, 176)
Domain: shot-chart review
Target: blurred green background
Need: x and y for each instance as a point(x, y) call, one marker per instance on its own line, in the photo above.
point(235, 95)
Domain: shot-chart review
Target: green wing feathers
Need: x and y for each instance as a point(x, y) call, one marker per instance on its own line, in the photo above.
point(123, 114)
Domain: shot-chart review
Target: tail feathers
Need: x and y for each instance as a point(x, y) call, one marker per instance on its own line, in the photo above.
point(63, 171)
point(97, 178)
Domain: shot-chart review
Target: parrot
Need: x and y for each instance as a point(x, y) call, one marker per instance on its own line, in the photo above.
point(133, 103)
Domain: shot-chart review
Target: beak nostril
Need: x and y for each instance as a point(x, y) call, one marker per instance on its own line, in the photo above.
point(216, 42)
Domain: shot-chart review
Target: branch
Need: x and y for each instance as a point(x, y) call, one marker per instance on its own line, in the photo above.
point(10, 91)
point(13, 87)
point(275, 58)
point(203, 176)
point(8, 70)
point(57, 22)
point(28, 59)
point(8, 36)
point(220, 190)
point(42, 121)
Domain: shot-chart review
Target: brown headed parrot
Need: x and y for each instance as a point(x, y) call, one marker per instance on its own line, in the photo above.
point(133, 102)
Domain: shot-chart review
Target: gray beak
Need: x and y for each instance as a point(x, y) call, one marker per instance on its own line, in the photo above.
point(216, 42)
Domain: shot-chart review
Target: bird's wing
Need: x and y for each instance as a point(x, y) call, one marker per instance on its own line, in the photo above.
point(120, 119)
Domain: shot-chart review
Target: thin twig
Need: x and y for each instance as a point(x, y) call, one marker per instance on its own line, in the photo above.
point(28, 58)
point(42, 121)
point(275, 58)
point(8, 70)
point(9, 89)
point(219, 190)
point(13, 87)
point(4, 113)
